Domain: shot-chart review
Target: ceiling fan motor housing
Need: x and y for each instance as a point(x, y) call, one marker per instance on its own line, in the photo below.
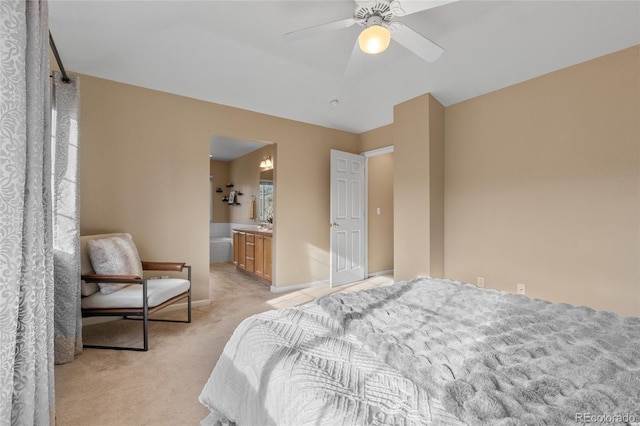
point(378, 13)
point(373, 20)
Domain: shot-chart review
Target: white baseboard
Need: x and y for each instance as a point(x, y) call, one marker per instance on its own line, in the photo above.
point(319, 283)
point(298, 286)
point(378, 273)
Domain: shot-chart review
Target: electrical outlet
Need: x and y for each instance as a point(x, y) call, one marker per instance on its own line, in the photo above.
point(521, 288)
point(481, 282)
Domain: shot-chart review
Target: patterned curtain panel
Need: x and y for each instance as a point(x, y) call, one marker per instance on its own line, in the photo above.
point(26, 238)
point(66, 220)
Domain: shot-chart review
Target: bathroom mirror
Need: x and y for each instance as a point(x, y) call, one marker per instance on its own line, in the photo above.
point(265, 196)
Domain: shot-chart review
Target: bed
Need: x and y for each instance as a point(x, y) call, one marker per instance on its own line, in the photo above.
point(428, 351)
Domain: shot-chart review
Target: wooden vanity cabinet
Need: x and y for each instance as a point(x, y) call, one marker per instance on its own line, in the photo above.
point(267, 258)
point(252, 252)
point(258, 265)
point(239, 249)
point(249, 252)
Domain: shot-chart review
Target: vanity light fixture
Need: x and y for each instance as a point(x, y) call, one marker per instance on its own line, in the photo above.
point(266, 163)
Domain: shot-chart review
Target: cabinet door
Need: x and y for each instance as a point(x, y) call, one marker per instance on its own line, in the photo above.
point(267, 258)
point(236, 244)
point(250, 253)
point(241, 250)
point(259, 257)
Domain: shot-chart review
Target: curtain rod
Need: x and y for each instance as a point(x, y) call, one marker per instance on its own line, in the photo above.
point(52, 43)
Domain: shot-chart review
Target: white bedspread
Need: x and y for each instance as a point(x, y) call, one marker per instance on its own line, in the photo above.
point(494, 358)
point(298, 367)
point(427, 352)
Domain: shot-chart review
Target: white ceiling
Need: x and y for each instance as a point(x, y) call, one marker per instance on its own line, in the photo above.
point(227, 149)
point(234, 53)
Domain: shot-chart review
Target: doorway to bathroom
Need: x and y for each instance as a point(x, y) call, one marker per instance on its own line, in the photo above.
point(242, 191)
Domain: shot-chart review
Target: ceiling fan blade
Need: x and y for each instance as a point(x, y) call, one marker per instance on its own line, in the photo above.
point(417, 43)
point(407, 7)
point(366, 3)
point(356, 59)
point(330, 26)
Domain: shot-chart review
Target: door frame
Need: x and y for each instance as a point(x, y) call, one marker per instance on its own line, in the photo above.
point(367, 154)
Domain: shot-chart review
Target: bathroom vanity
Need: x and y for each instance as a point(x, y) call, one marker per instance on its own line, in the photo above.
point(252, 251)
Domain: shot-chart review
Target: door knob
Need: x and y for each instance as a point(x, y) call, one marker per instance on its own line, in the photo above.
point(334, 225)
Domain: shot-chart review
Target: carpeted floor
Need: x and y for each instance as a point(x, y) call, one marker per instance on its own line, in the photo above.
point(161, 386)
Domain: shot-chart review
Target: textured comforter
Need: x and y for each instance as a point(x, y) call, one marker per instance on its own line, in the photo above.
point(298, 367)
point(495, 358)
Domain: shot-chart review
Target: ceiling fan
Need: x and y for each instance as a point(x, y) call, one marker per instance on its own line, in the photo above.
point(376, 16)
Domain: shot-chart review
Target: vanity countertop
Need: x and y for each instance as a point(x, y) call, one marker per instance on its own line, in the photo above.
point(255, 230)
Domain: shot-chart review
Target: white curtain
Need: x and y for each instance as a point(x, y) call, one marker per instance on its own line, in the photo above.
point(66, 220)
point(26, 236)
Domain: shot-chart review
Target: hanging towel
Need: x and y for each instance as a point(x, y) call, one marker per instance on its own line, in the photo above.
point(252, 208)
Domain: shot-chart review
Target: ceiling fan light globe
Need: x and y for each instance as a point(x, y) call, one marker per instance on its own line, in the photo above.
point(374, 39)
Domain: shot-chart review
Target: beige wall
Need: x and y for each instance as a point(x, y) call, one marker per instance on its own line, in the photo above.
point(543, 186)
point(220, 172)
point(145, 168)
point(418, 196)
point(376, 138)
point(245, 175)
point(380, 194)
point(380, 226)
point(436, 188)
point(542, 181)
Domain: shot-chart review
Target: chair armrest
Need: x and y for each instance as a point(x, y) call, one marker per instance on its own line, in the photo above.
point(118, 279)
point(163, 266)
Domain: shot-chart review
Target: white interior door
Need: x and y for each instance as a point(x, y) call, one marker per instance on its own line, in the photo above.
point(348, 221)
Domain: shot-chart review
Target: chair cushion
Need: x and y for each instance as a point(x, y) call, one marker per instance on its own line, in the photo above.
point(158, 291)
point(87, 289)
point(116, 255)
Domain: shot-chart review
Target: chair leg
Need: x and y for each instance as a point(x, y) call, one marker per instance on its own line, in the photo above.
point(189, 307)
point(189, 297)
point(145, 332)
point(115, 348)
point(145, 326)
point(145, 347)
